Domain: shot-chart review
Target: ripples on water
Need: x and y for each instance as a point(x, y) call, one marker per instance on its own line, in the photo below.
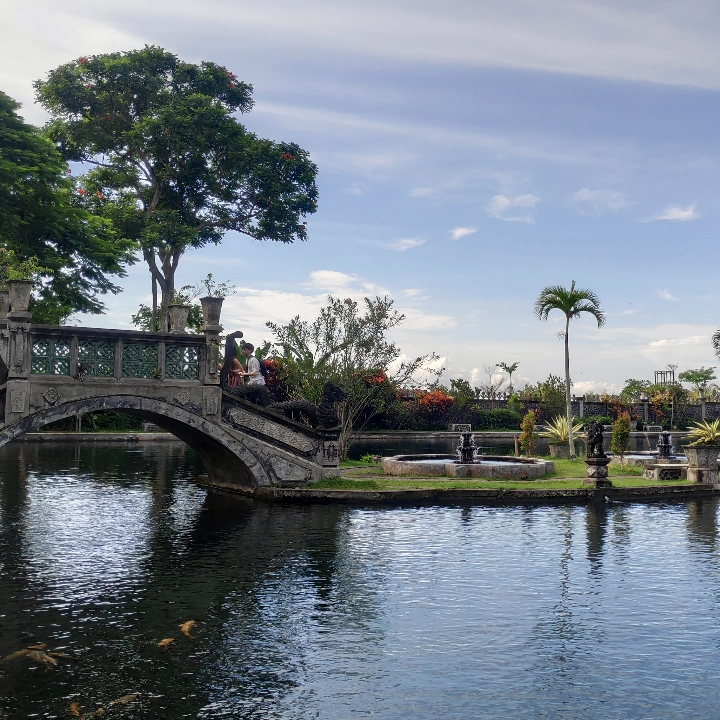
point(337, 612)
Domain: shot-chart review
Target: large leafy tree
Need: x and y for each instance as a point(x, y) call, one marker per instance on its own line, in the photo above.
point(172, 165)
point(349, 344)
point(572, 302)
point(42, 216)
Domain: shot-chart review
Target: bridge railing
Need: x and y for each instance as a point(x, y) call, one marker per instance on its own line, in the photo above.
point(90, 354)
point(97, 353)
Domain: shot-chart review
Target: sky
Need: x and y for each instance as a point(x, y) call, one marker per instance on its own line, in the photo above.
point(470, 153)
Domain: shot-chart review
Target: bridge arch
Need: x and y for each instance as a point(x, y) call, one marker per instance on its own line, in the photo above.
point(228, 462)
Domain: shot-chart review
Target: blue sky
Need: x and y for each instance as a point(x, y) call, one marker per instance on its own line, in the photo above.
point(469, 153)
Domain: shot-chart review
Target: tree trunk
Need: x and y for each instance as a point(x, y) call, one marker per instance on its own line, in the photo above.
point(568, 403)
point(164, 276)
point(153, 321)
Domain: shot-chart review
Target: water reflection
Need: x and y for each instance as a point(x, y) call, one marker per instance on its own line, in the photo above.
point(337, 612)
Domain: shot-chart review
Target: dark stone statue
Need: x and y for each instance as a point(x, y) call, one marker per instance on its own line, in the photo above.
point(322, 416)
point(595, 440)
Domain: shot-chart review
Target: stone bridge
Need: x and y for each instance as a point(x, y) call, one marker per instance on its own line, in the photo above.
point(49, 373)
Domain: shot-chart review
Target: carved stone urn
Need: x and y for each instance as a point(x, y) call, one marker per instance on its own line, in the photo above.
point(4, 303)
point(211, 309)
point(178, 317)
point(20, 294)
point(702, 463)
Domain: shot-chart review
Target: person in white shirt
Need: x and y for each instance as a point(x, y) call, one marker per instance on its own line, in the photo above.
point(252, 376)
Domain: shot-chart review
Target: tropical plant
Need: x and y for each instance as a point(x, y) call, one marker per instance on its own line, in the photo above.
point(550, 393)
point(698, 378)
point(208, 287)
point(173, 168)
point(557, 430)
point(350, 348)
point(634, 390)
point(620, 440)
point(705, 433)
point(509, 368)
point(528, 436)
point(43, 221)
point(143, 318)
point(461, 391)
point(572, 302)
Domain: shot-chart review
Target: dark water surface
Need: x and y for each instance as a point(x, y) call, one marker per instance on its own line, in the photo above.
point(415, 443)
point(338, 612)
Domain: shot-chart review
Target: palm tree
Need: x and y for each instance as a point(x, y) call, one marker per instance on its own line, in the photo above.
point(572, 303)
point(509, 369)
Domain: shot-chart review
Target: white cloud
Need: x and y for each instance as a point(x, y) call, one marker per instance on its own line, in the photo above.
point(420, 192)
point(676, 213)
point(668, 43)
point(403, 244)
point(461, 232)
point(665, 294)
point(503, 207)
point(411, 292)
point(595, 386)
point(417, 320)
point(598, 201)
point(674, 342)
point(332, 280)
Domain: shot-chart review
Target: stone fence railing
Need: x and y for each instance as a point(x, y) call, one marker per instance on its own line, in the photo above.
point(704, 410)
point(99, 354)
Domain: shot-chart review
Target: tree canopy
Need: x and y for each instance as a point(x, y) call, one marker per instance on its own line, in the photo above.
point(42, 217)
point(173, 168)
point(698, 378)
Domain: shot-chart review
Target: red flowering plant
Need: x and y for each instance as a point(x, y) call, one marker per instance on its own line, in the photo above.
point(432, 407)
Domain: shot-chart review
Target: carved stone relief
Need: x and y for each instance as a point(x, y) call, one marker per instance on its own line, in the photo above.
point(17, 401)
point(51, 396)
point(262, 426)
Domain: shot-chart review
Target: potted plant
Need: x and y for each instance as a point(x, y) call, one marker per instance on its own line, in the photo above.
point(702, 454)
point(179, 308)
point(213, 299)
point(556, 431)
point(21, 276)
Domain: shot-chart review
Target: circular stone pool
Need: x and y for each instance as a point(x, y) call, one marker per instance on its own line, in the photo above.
point(501, 467)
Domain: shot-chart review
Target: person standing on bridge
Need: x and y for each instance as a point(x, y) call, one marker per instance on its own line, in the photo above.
point(253, 375)
point(236, 370)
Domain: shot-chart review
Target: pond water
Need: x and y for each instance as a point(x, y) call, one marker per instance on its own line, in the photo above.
point(415, 444)
point(343, 612)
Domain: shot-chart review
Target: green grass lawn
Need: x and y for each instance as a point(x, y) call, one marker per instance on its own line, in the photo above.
point(569, 474)
point(414, 483)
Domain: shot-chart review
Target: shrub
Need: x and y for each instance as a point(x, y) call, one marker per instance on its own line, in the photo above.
point(528, 437)
point(500, 419)
point(621, 435)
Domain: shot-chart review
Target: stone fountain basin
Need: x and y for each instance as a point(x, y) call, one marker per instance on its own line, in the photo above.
point(502, 467)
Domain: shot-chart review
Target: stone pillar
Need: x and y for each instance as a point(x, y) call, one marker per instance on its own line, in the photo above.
point(597, 472)
point(581, 406)
point(703, 408)
point(211, 371)
point(646, 409)
point(330, 454)
point(19, 351)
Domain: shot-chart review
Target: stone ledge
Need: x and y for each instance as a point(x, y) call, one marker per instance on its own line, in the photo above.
point(477, 496)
